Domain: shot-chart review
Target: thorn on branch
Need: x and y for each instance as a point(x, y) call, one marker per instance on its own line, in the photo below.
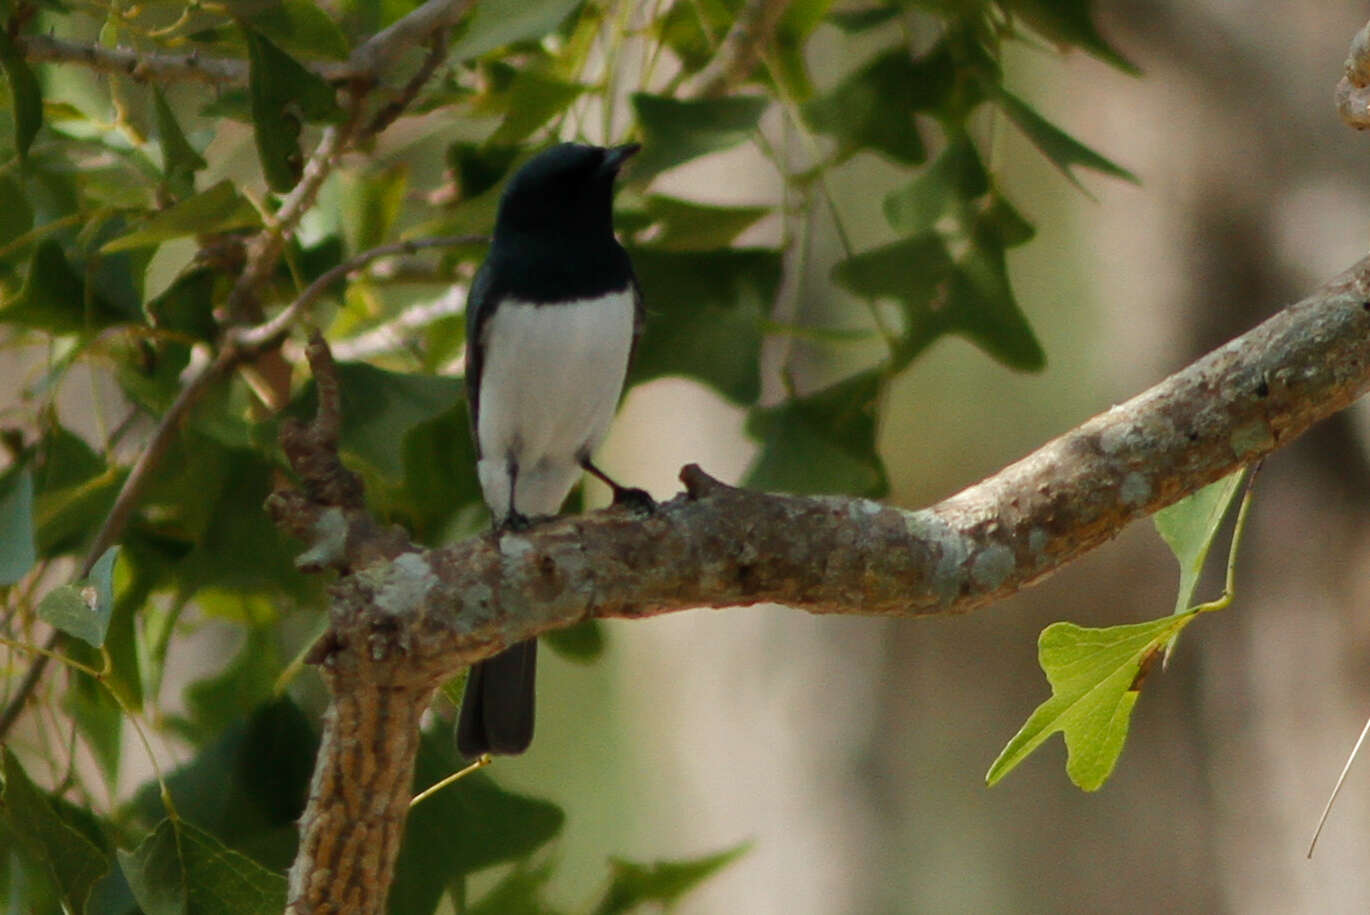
point(699, 485)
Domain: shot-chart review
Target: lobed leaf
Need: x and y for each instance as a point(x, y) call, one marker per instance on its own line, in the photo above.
point(675, 131)
point(1095, 677)
point(661, 882)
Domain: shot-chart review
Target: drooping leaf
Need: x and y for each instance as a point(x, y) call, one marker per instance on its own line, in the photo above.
point(219, 209)
point(583, 642)
point(981, 305)
point(661, 882)
point(228, 792)
point(520, 892)
point(64, 853)
point(381, 408)
point(823, 442)
point(915, 272)
point(704, 316)
point(1061, 149)
point(18, 552)
point(56, 298)
point(497, 23)
point(371, 204)
point(180, 161)
point(99, 719)
point(1095, 677)
point(73, 491)
point(875, 107)
point(951, 182)
point(16, 213)
point(298, 26)
point(284, 96)
point(26, 98)
point(1189, 526)
point(83, 609)
point(466, 827)
point(1069, 23)
point(683, 225)
point(182, 870)
point(532, 99)
point(674, 131)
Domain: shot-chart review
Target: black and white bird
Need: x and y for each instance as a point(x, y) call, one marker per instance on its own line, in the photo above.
point(551, 321)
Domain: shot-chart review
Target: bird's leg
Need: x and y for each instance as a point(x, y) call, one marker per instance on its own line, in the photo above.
point(514, 520)
point(631, 497)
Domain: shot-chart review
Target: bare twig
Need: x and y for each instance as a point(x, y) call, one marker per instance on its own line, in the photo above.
point(263, 336)
point(410, 31)
point(739, 51)
point(144, 66)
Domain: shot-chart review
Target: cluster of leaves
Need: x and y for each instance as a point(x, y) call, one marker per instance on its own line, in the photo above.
point(121, 238)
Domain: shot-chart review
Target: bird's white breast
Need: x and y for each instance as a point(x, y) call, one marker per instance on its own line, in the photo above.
point(550, 381)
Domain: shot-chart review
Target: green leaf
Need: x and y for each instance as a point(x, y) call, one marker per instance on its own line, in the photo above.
point(381, 408)
point(187, 306)
point(439, 476)
point(823, 442)
point(1189, 526)
point(532, 99)
point(299, 26)
point(284, 96)
point(859, 20)
point(16, 213)
point(1095, 677)
point(180, 161)
point(218, 702)
point(66, 854)
point(26, 98)
point(683, 225)
point(704, 316)
point(674, 131)
point(54, 297)
point(183, 870)
point(226, 791)
point(954, 179)
point(1069, 22)
point(218, 209)
point(518, 893)
point(496, 23)
point(17, 550)
point(464, 828)
point(83, 609)
point(1060, 148)
point(73, 491)
point(661, 882)
point(981, 305)
point(371, 204)
point(916, 273)
point(583, 642)
point(99, 719)
point(874, 108)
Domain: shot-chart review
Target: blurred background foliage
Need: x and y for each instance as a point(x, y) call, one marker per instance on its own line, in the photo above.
point(888, 181)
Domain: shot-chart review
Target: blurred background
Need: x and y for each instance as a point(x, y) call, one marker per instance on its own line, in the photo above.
point(851, 752)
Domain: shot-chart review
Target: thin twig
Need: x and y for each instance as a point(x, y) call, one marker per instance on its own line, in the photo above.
point(740, 50)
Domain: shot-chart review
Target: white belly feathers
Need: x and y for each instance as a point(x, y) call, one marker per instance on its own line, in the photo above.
point(549, 386)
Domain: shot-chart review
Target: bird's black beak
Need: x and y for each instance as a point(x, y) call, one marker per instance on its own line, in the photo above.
point(615, 156)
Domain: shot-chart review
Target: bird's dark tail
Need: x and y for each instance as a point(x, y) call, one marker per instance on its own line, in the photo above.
point(497, 709)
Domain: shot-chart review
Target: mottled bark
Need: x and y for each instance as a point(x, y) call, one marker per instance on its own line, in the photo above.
point(406, 617)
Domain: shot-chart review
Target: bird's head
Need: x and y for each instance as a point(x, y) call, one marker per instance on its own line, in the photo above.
point(566, 189)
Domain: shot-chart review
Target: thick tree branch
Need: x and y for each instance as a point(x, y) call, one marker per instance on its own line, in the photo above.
point(405, 618)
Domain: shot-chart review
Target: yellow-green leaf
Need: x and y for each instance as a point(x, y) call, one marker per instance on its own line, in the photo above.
point(218, 209)
point(1095, 677)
